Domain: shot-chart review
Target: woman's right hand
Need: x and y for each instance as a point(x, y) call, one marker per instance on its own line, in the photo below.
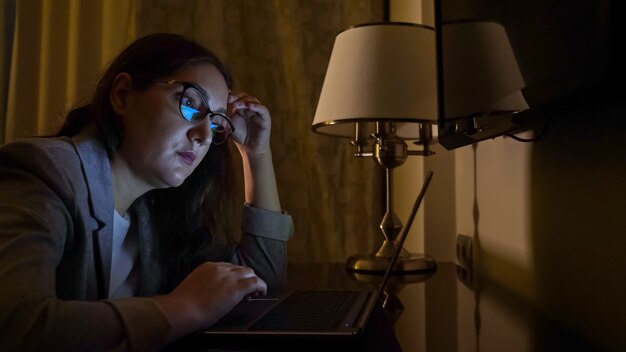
point(209, 292)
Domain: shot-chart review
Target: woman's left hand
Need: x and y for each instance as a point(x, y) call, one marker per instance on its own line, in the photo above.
point(252, 123)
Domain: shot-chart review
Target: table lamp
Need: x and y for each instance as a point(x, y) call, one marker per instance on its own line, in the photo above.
point(380, 90)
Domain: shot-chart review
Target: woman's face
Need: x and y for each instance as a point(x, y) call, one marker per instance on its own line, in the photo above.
point(160, 147)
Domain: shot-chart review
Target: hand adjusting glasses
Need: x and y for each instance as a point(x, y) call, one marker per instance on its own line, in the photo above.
point(193, 105)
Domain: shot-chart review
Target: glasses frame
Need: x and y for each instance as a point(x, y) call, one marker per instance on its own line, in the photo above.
point(211, 114)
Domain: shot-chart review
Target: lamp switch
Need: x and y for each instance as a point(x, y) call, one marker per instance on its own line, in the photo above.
point(464, 251)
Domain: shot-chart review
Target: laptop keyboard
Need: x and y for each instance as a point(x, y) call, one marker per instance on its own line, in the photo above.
point(309, 311)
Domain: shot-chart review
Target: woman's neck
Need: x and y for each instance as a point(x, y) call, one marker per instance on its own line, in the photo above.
point(126, 187)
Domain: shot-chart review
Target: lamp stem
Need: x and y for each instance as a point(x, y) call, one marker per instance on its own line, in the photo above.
point(390, 225)
point(388, 189)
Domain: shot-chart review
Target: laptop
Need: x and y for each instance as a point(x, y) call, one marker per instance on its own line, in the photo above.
point(336, 314)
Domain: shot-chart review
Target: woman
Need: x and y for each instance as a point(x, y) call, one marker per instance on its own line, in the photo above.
point(117, 233)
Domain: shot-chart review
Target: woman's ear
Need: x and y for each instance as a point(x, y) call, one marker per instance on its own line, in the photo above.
point(120, 92)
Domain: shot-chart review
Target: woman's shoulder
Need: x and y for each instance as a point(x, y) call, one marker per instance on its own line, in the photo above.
point(38, 143)
point(32, 150)
point(54, 160)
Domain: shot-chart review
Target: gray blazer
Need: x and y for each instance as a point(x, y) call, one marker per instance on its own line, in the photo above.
point(56, 223)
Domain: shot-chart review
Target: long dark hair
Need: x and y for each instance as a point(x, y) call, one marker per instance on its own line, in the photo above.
point(199, 214)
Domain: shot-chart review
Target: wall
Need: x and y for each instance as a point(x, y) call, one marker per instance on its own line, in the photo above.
point(548, 218)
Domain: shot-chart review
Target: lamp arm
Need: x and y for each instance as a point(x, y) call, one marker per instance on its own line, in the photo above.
point(425, 152)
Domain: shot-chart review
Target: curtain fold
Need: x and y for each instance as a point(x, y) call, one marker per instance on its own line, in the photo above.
point(278, 51)
point(59, 49)
point(7, 19)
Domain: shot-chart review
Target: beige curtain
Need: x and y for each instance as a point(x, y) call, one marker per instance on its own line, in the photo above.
point(7, 28)
point(59, 50)
point(278, 50)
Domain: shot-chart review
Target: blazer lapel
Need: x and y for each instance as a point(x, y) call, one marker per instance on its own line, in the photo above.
point(95, 162)
point(150, 268)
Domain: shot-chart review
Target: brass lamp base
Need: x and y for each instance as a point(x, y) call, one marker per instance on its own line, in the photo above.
point(372, 264)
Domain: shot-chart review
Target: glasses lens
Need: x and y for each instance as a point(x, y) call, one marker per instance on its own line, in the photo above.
point(193, 106)
point(221, 127)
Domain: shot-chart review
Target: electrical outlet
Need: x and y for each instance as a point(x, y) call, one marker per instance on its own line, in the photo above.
point(464, 251)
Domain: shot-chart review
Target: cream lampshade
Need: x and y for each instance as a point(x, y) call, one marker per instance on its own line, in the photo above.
point(380, 71)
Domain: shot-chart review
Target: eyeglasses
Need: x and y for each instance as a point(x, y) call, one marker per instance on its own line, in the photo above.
point(194, 107)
